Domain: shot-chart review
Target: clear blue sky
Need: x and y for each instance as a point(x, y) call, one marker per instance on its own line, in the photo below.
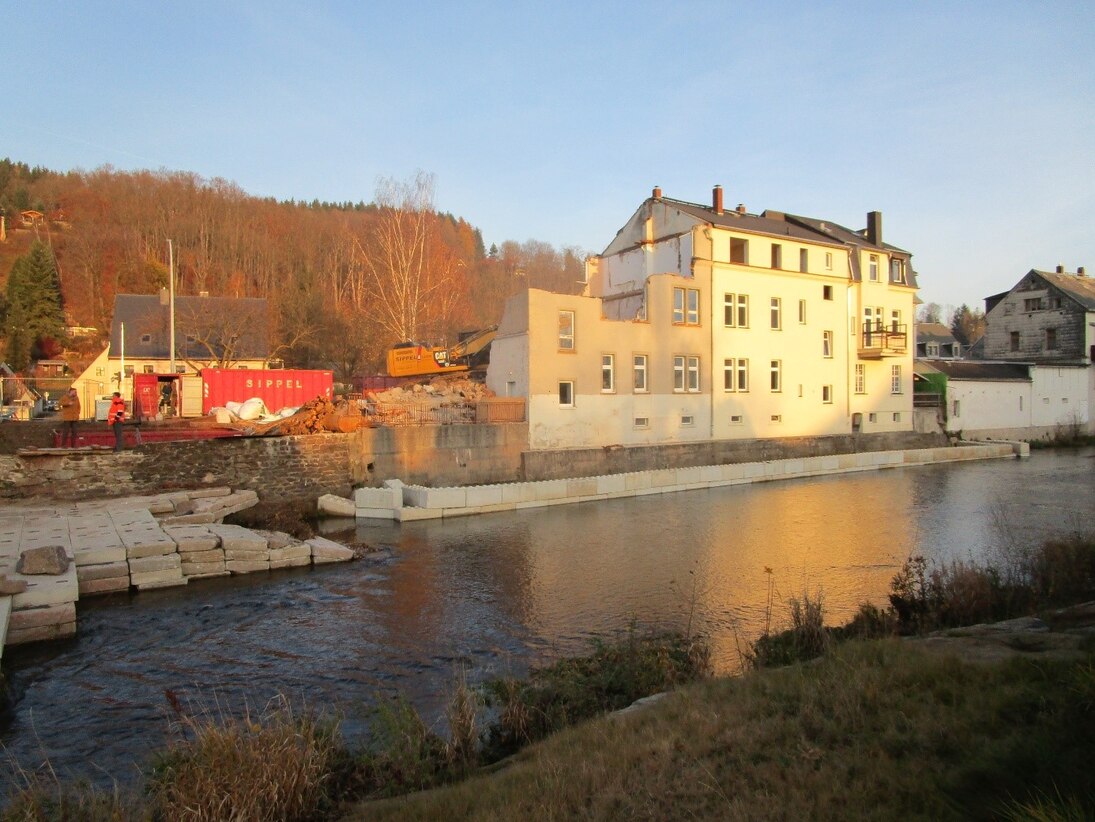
point(969, 125)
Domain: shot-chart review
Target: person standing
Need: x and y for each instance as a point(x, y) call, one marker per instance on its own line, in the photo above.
point(70, 413)
point(116, 416)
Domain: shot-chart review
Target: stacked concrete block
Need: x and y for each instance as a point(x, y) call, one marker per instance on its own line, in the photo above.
point(41, 622)
point(100, 555)
point(287, 552)
point(335, 506)
point(245, 551)
point(200, 552)
point(144, 539)
point(378, 503)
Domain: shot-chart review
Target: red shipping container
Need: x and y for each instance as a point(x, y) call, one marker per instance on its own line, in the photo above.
point(278, 388)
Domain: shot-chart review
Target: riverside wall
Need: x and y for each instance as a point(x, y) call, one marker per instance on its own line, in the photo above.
point(298, 467)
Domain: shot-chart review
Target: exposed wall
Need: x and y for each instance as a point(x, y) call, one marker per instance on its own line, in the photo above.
point(1055, 397)
point(1058, 311)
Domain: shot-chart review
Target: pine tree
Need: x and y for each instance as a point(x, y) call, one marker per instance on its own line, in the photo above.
point(34, 312)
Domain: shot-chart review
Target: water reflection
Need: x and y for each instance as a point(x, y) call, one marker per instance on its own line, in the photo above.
point(491, 594)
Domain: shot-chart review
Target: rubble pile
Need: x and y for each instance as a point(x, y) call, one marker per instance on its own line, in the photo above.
point(446, 398)
point(316, 416)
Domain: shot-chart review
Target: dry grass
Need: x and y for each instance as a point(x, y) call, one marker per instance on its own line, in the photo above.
point(274, 766)
point(874, 730)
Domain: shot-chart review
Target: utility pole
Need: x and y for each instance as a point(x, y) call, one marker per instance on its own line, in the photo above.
point(171, 300)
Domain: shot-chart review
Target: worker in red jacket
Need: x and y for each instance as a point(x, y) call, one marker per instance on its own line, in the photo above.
point(115, 417)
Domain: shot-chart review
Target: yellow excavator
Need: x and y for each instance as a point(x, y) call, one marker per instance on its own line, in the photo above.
point(410, 359)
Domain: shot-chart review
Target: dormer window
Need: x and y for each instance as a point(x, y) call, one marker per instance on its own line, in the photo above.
point(897, 272)
point(146, 338)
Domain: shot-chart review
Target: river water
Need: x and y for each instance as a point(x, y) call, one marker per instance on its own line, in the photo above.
point(490, 595)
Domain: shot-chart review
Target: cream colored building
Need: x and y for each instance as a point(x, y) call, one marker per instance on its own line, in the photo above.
point(702, 323)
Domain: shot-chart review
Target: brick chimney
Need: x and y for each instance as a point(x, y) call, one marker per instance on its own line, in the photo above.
point(1060, 269)
point(716, 199)
point(874, 227)
point(657, 194)
point(1080, 272)
point(741, 208)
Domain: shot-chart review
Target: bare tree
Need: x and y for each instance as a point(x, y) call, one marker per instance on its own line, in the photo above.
point(221, 332)
point(409, 276)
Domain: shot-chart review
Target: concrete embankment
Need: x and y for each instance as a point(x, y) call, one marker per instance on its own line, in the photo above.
point(404, 503)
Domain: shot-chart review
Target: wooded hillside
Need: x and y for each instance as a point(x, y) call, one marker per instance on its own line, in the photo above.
point(344, 280)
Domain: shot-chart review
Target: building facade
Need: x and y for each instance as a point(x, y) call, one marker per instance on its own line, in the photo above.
point(702, 323)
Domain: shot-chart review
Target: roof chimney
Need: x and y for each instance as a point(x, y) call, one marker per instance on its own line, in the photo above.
point(1080, 272)
point(716, 199)
point(657, 195)
point(874, 227)
point(741, 208)
point(1060, 269)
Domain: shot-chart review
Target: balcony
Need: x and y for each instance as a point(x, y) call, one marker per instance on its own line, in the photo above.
point(881, 341)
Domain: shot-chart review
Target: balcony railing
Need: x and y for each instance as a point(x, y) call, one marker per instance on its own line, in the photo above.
point(883, 341)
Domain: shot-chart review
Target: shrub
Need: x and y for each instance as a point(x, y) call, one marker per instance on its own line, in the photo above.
point(807, 637)
point(41, 797)
point(275, 766)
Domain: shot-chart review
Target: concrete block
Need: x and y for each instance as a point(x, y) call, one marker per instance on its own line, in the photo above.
point(165, 583)
point(663, 478)
point(301, 549)
point(732, 472)
point(211, 575)
point(550, 489)
point(241, 539)
point(478, 495)
point(40, 633)
point(375, 513)
point(151, 548)
point(793, 467)
point(100, 552)
point(277, 539)
point(753, 470)
point(146, 578)
point(108, 585)
point(144, 565)
point(202, 493)
point(414, 496)
point(406, 514)
point(48, 615)
point(191, 538)
point(43, 591)
point(292, 562)
point(238, 566)
point(335, 506)
point(244, 555)
point(845, 461)
point(580, 487)
point(690, 476)
point(379, 497)
point(203, 569)
point(325, 550)
point(107, 570)
point(181, 519)
point(161, 506)
point(637, 480)
point(216, 555)
point(611, 483)
point(446, 498)
point(518, 492)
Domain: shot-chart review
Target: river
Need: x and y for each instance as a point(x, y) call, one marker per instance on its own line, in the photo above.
point(492, 594)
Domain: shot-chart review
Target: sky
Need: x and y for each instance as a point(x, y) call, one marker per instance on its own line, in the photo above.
point(969, 125)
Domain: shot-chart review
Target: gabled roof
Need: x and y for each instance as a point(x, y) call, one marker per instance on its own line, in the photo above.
point(1079, 287)
point(147, 324)
point(934, 332)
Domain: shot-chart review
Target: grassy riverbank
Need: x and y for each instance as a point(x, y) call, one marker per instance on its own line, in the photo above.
point(876, 727)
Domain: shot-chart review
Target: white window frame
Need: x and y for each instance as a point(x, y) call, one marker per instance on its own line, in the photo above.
point(608, 373)
point(827, 344)
point(775, 376)
point(827, 394)
point(895, 379)
point(639, 374)
point(872, 268)
point(692, 306)
point(802, 312)
point(566, 330)
point(828, 261)
point(738, 306)
point(692, 374)
point(775, 312)
point(860, 378)
point(678, 373)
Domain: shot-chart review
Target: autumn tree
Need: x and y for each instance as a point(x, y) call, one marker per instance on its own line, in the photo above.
point(967, 326)
point(929, 313)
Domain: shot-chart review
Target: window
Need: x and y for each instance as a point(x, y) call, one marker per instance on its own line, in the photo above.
point(897, 416)
point(608, 373)
point(739, 251)
point(895, 321)
point(566, 394)
point(735, 375)
point(872, 268)
point(872, 417)
point(826, 292)
point(148, 369)
point(146, 338)
point(566, 331)
point(777, 255)
point(1053, 302)
point(180, 369)
point(678, 373)
point(828, 261)
point(957, 408)
point(693, 364)
point(1014, 340)
point(860, 378)
point(827, 344)
point(686, 306)
point(737, 419)
point(735, 310)
point(687, 419)
point(827, 394)
point(777, 418)
point(802, 312)
point(932, 349)
point(1032, 304)
point(728, 375)
point(98, 372)
point(1051, 339)
point(776, 313)
point(640, 373)
point(895, 379)
point(897, 272)
point(803, 260)
point(129, 370)
point(775, 378)
point(642, 422)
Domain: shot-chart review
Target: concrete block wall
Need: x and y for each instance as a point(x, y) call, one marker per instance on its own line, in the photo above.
point(420, 502)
